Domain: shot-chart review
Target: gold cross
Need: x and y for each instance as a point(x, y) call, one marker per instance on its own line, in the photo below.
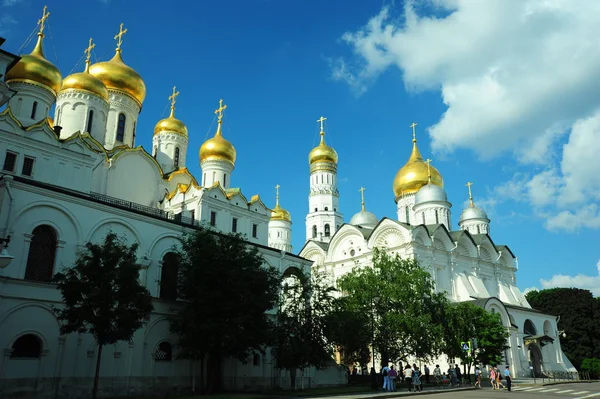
point(119, 36)
point(321, 120)
point(414, 125)
point(173, 97)
point(42, 21)
point(428, 162)
point(277, 194)
point(362, 197)
point(219, 111)
point(469, 184)
point(88, 51)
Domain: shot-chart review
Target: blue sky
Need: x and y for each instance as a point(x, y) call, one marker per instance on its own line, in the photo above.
point(505, 94)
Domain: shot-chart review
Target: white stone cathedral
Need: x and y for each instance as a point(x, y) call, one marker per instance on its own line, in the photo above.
point(71, 179)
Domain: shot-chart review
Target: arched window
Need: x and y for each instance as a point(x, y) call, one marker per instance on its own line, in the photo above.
point(256, 360)
point(163, 352)
point(121, 127)
point(34, 110)
point(42, 252)
point(133, 136)
point(314, 229)
point(327, 230)
point(176, 158)
point(529, 328)
point(27, 346)
point(168, 276)
point(90, 121)
point(437, 217)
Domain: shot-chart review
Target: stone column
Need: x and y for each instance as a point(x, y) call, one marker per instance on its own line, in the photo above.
point(58, 365)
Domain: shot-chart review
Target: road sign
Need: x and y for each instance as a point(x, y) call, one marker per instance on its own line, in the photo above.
point(466, 346)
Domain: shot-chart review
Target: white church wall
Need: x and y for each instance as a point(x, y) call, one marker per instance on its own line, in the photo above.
point(133, 177)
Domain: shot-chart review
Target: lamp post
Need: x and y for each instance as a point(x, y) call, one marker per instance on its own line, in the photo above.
point(5, 257)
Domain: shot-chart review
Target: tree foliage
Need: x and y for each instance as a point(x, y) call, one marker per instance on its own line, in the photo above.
point(225, 290)
point(464, 322)
point(103, 296)
point(399, 297)
point(579, 315)
point(304, 308)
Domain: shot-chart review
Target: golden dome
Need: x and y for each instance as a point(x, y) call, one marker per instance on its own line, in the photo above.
point(85, 81)
point(322, 152)
point(415, 174)
point(280, 214)
point(217, 148)
point(35, 68)
point(171, 124)
point(119, 77)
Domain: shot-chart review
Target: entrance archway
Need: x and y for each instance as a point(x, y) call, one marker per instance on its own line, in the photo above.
point(535, 359)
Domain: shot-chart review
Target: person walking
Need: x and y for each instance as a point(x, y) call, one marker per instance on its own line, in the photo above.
point(477, 377)
point(493, 377)
point(392, 374)
point(408, 377)
point(386, 379)
point(426, 374)
point(498, 378)
point(416, 378)
point(508, 378)
point(437, 375)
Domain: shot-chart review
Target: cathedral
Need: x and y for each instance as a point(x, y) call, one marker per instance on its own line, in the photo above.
point(68, 152)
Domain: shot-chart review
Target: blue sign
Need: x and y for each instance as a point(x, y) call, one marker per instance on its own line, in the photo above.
point(465, 346)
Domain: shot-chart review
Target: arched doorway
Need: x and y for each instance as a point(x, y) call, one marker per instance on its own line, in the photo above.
point(535, 359)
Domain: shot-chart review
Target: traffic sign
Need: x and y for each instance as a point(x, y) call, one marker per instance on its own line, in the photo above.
point(466, 346)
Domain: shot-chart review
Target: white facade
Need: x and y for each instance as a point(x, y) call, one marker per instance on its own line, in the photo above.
point(280, 235)
point(81, 111)
point(170, 150)
point(61, 189)
point(324, 217)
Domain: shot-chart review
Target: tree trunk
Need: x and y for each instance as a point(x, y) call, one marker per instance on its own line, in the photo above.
point(202, 375)
point(293, 377)
point(97, 374)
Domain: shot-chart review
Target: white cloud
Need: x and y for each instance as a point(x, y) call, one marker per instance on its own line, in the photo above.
point(6, 23)
point(516, 76)
point(8, 3)
point(582, 281)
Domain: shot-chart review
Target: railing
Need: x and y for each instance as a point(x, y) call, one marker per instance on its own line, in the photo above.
point(144, 209)
point(559, 376)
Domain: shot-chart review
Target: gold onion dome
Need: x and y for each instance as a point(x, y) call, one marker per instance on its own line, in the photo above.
point(118, 76)
point(171, 124)
point(85, 80)
point(278, 212)
point(218, 148)
point(415, 174)
point(36, 69)
point(322, 152)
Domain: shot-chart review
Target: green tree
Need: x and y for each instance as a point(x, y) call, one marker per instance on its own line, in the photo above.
point(350, 330)
point(398, 295)
point(465, 321)
point(579, 319)
point(102, 295)
point(304, 308)
point(225, 290)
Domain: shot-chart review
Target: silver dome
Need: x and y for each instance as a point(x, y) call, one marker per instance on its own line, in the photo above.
point(430, 193)
point(472, 212)
point(364, 218)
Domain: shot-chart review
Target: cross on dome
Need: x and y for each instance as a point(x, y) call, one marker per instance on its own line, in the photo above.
point(88, 51)
point(321, 120)
point(414, 131)
point(42, 20)
point(362, 197)
point(469, 184)
point(173, 98)
point(119, 36)
point(277, 194)
point(219, 111)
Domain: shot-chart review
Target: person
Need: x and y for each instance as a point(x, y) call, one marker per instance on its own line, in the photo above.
point(386, 379)
point(373, 378)
point(392, 374)
point(437, 375)
point(498, 378)
point(452, 376)
point(408, 377)
point(458, 374)
point(508, 378)
point(477, 377)
point(426, 374)
point(416, 378)
point(493, 377)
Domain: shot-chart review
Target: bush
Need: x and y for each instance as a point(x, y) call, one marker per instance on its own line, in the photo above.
point(592, 366)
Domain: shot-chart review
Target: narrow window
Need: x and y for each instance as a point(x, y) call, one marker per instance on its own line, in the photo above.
point(34, 110)
point(326, 208)
point(407, 214)
point(28, 166)
point(133, 137)
point(163, 352)
point(168, 276)
point(193, 215)
point(279, 234)
point(327, 231)
point(9, 161)
point(314, 231)
point(90, 121)
point(224, 180)
point(256, 360)
point(121, 127)
point(437, 218)
point(19, 104)
point(42, 252)
point(27, 346)
point(155, 151)
point(316, 209)
point(176, 158)
point(234, 225)
point(213, 218)
point(254, 230)
point(478, 230)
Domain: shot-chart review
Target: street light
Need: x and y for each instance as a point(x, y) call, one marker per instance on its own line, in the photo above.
point(5, 257)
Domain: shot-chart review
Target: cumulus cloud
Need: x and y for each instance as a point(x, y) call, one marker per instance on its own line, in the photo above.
point(582, 281)
point(517, 76)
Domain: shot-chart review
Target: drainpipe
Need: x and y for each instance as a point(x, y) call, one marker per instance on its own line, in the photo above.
point(8, 179)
